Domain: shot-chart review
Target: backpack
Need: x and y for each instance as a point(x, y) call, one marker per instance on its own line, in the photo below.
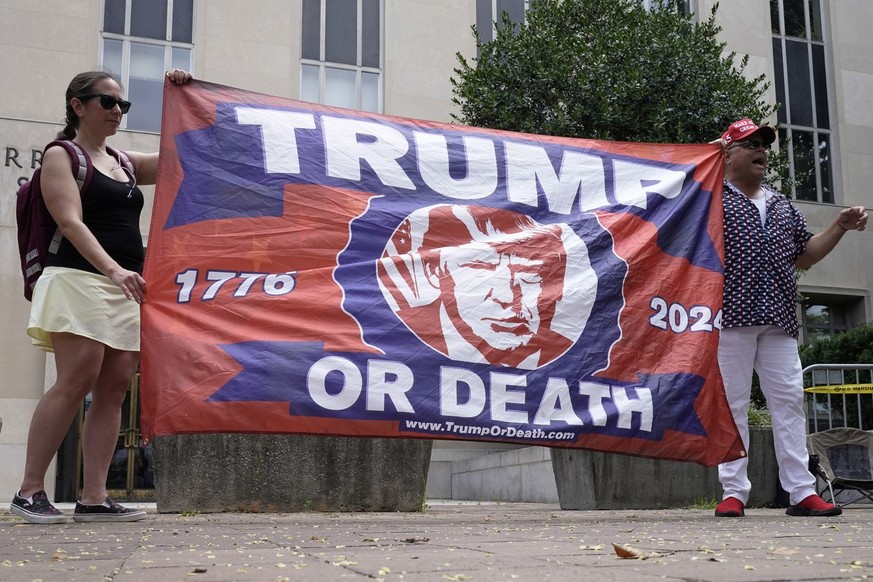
point(38, 233)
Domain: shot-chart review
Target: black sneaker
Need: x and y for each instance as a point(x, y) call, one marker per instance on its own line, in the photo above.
point(106, 511)
point(37, 509)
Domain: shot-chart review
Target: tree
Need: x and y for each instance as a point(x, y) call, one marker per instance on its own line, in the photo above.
point(852, 347)
point(608, 69)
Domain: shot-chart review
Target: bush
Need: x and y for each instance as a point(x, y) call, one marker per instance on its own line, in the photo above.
point(852, 347)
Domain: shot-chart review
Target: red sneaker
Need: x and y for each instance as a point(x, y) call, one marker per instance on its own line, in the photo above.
point(814, 506)
point(730, 507)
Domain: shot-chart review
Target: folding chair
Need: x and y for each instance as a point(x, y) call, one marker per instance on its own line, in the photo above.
point(845, 462)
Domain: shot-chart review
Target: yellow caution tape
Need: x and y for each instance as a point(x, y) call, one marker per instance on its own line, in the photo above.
point(841, 389)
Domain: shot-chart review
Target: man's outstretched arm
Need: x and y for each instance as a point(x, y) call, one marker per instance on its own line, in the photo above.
point(817, 248)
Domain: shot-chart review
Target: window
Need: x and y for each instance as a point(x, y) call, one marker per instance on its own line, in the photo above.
point(489, 13)
point(683, 6)
point(342, 53)
point(141, 40)
point(823, 318)
point(801, 89)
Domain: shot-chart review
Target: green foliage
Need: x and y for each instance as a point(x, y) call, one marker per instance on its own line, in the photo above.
point(704, 503)
point(759, 416)
point(852, 347)
point(608, 69)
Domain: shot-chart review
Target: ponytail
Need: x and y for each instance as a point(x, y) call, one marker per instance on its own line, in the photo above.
point(82, 84)
point(69, 131)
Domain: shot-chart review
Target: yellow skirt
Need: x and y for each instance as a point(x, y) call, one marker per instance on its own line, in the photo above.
point(82, 303)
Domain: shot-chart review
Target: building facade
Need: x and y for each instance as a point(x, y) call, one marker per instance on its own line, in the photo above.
point(397, 57)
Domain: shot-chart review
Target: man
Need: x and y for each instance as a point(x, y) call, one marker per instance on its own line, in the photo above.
point(765, 240)
point(482, 284)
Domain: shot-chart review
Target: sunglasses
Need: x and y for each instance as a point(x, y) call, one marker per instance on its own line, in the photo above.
point(751, 144)
point(108, 101)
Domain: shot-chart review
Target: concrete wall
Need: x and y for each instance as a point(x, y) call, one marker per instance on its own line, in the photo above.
point(445, 459)
point(852, 66)
point(592, 480)
point(283, 473)
point(421, 39)
point(490, 472)
point(587, 480)
point(523, 474)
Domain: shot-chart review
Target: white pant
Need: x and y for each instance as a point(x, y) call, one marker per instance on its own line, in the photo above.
point(773, 355)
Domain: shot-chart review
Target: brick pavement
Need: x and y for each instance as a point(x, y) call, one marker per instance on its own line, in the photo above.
point(449, 541)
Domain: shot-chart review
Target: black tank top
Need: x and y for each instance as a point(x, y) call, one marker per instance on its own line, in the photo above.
point(110, 209)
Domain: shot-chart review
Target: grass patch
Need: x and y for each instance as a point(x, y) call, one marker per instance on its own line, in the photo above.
point(703, 503)
point(759, 416)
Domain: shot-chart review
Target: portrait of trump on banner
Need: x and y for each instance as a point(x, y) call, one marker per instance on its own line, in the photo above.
point(488, 285)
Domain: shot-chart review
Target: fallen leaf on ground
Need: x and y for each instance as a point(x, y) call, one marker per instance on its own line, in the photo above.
point(629, 552)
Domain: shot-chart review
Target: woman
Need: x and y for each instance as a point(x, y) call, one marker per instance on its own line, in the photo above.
point(86, 302)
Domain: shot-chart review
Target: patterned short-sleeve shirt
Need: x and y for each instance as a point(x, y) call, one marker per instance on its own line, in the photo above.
point(760, 286)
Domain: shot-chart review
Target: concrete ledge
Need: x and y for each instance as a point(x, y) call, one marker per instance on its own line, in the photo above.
point(445, 453)
point(283, 473)
point(593, 480)
point(522, 475)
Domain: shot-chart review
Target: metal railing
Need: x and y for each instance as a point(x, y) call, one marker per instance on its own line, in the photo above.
point(838, 395)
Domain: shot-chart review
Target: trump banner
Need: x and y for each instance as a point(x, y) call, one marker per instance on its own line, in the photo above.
point(314, 270)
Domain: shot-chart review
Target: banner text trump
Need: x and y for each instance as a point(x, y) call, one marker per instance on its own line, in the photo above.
point(350, 144)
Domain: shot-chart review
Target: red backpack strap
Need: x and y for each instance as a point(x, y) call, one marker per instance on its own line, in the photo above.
point(123, 159)
point(83, 170)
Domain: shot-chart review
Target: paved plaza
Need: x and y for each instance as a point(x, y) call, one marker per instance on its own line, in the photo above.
point(449, 541)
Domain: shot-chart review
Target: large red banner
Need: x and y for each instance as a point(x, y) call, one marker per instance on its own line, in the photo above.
point(326, 271)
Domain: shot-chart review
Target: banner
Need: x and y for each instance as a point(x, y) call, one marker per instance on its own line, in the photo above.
point(326, 271)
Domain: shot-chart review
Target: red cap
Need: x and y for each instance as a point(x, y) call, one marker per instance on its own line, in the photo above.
point(746, 128)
